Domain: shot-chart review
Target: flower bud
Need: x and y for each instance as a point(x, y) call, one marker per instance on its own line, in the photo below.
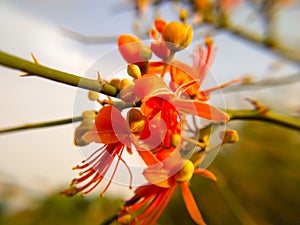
point(93, 96)
point(89, 114)
point(127, 91)
point(134, 71)
point(124, 83)
point(115, 83)
point(183, 15)
point(177, 36)
point(186, 172)
point(85, 126)
point(229, 136)
point(145, 53)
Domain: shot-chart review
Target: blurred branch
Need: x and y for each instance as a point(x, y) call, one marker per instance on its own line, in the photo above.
point(89, 39)
point(271, 82)
point(232, 200)
point(112, 39)
point(288, 54)
point(32, 68)
point(30, 126)
point(261, 113)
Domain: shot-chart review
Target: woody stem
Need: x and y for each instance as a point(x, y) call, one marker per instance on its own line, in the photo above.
point(267, 116)
point(55, 75)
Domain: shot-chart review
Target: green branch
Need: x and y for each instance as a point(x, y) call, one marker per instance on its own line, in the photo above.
point(265, 83)
point(55, 75)
point(266, 116)
point(30, 126)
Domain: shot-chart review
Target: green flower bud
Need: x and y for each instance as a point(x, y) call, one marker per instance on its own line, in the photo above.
point(134, 71)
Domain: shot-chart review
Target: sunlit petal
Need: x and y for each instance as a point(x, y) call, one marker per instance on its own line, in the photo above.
point(191, 204)
point(205, 173)
point(201, 109)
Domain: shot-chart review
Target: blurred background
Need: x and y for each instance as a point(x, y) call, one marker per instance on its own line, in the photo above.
point(259, 177)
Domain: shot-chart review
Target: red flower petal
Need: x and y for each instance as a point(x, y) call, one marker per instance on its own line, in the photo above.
point(111, 126)
point(148, 85)
point(205, 173)
point(182, 73)
point(191, 204)
point(160, 25)
point(201, 109)
point(156, 67)
point(130, 47)
point(160, 49)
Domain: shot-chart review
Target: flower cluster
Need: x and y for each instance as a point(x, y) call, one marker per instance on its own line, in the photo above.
point(152, 122)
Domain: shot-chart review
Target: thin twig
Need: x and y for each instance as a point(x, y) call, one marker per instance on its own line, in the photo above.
point(271, 82)
point(30, 126)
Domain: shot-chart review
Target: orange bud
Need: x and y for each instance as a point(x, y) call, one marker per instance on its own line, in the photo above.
point(229, 136)
point(116, 83)
point(130, 47)
point(177, 36)
point(183, 15)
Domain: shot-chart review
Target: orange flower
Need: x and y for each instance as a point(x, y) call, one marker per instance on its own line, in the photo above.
point(150, 200)
point(194, 75)
point(163, 122)
point(112, 130)
point(153, 86)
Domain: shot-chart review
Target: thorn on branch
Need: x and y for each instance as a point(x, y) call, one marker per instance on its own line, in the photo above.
point(258, 106)
point(99, 80)
point(35, 62)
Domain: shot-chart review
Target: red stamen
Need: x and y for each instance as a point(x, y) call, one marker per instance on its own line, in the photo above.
point(114, 172)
